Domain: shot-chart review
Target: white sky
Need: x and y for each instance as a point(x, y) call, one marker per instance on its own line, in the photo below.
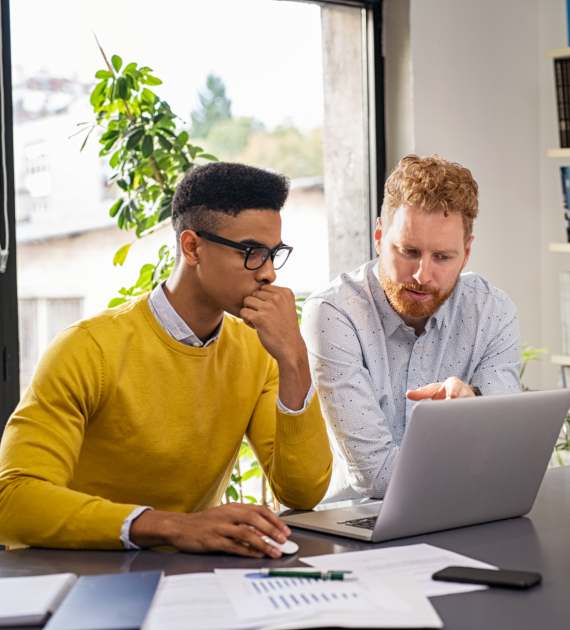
point(268, 52)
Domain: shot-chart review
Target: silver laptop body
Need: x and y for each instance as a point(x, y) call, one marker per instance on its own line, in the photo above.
point(461, 462)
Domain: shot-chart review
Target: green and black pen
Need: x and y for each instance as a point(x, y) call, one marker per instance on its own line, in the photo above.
point(309, 574)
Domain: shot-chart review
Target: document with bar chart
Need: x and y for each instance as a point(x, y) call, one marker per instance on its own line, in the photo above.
point(281, 601)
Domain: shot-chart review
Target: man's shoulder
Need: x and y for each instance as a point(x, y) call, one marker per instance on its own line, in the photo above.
point(106, 330)
point(346, 289)
point(482, 292)
point(123, 316)
point(478, 285)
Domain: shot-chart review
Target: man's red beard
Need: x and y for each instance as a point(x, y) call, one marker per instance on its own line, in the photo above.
point(405, 305)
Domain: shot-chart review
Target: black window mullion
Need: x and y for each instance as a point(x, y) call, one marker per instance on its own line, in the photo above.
point(9, 359)
point(379, 105)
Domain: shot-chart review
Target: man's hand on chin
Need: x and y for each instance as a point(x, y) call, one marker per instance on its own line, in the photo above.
point(271, 311)
point(452, 387)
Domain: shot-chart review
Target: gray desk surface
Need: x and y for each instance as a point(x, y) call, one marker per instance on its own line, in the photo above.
point(539, 542)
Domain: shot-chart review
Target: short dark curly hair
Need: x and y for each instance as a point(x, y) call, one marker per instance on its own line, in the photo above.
point(209, 191)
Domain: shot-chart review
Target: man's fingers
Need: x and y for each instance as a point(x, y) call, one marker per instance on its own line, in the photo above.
point(427, 391)
point(272, 518)
point(265, 522)
point(253, 302)
point(441, 393)
point(452, 387)
point(250, 537)
point(229, 545)
point(456, 388)
point(249, 316)
point(268, 289)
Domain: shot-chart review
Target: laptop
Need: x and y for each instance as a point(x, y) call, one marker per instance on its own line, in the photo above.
point(461, 462)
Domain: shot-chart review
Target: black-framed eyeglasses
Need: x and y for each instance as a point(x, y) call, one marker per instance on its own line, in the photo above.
point(255, 255)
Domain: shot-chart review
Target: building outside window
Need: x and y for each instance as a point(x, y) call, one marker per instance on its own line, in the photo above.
point(289, 89)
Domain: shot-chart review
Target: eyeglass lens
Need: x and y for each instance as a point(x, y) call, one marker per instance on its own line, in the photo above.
point(258, 255)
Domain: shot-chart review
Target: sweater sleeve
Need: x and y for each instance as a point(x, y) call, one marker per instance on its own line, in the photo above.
point(293, 450)
point(40, 449)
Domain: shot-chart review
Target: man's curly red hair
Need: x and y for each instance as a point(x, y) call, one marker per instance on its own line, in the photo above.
point(434, 185)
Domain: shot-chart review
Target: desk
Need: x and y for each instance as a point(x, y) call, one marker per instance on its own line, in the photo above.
point(540, 542)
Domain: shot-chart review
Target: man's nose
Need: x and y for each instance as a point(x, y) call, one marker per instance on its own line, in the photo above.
point(423, 274)
point(266, 273)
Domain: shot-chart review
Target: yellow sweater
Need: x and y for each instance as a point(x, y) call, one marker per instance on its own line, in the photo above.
point(119, 414)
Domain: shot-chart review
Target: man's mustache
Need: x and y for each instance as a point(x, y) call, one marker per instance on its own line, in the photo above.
point(419, 288)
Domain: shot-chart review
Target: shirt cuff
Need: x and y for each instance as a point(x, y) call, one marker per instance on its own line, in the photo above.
point(126, 527)
point(296, 412)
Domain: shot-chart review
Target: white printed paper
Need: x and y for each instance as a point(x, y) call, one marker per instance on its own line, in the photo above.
point(415, 563)
point(290, 602)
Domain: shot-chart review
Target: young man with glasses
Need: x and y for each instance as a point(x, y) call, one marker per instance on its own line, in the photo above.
point(408, 325)
point(130, 429)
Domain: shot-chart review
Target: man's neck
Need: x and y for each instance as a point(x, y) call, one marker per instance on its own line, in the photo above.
point(419, 325)
point(191, 305)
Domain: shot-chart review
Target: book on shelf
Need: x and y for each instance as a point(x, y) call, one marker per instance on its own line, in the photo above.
point(565, 181)
point(562, 83)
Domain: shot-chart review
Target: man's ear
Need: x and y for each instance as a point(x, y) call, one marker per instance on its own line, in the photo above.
point(468, 244)
point(378, 234)
point(189, 242)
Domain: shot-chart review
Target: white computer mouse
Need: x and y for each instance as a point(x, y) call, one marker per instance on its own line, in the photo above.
point(288, 547)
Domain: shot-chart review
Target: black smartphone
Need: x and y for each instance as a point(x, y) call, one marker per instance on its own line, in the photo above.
point(504, 578)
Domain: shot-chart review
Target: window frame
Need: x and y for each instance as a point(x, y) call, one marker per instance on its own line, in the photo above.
point(9, 347)
point(376, 104)
point(9, 340)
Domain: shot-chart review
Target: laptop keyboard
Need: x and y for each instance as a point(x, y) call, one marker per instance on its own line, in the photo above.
point(368, 522)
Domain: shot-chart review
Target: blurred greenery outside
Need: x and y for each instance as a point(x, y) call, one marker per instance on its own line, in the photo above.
point(285, 148)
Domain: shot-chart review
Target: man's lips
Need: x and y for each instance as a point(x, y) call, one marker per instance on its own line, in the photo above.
point(418, 296)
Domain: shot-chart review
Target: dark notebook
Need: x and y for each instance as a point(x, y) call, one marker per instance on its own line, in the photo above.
point(118, 601)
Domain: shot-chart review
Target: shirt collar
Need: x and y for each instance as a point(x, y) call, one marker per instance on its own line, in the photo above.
point(171, 321)
point(390, 319)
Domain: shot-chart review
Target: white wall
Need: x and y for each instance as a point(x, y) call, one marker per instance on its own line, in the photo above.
point(478, 96)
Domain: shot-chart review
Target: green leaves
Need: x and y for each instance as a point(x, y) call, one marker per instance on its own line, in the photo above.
point(182, 138)
point(147, 145)
point(148, 153)
point(97, 94)
point(232, 493)
point(134, 138)
point(122, 88)
point(117, 62)
point(121, 254)
point(115, 207)
point(150, 80)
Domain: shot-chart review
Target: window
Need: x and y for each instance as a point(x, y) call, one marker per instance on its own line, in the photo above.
point(40, 319)
point(307, 110)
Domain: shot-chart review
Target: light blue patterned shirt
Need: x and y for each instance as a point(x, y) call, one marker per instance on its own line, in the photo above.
point(364, 358)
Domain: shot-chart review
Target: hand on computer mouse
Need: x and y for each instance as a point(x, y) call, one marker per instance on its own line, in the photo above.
point(288, 547)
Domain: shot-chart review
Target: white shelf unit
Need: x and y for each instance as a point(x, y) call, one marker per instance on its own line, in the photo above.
point(562, 248)
point(563, 361)
point(558, 53)
point(559, 248)
point(558, 153)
